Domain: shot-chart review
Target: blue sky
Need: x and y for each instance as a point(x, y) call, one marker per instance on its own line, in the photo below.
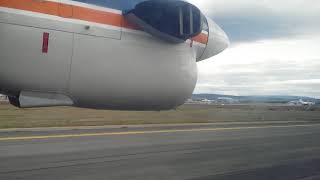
point(275, 48)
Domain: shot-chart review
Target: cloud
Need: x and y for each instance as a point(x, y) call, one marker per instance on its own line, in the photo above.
point(275, 48)
point(251, 20)
point(269, 67)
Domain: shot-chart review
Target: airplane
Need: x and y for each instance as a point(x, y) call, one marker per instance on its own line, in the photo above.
point(104, 54)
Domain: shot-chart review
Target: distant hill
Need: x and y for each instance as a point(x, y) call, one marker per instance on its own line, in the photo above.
point(255, 99)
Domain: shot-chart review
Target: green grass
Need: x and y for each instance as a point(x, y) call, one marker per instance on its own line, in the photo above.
point(11, 117)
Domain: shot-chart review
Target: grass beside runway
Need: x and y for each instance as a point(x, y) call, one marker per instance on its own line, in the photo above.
point(11, 117)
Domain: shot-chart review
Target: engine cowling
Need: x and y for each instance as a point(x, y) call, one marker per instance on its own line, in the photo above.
point(218, 40)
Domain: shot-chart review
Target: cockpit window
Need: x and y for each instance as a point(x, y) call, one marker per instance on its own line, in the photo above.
point(177, 19)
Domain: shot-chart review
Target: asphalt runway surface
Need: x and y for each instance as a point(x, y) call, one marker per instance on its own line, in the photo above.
point(279, 151)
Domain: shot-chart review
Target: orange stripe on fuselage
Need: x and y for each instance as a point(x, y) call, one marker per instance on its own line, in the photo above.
point(68, 11)
point(97, 16)
point(79, 13)
point(45, 7)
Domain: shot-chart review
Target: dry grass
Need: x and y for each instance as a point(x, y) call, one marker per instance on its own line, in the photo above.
point(11, 117)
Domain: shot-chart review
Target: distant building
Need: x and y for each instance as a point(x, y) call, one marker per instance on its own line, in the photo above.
point(300, 103)
point(227, 100)
point(207, 101)
point(3, 98)
point(219, 100)
point(200, 101)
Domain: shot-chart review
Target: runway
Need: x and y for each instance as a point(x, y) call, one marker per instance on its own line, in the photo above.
point(266, 151)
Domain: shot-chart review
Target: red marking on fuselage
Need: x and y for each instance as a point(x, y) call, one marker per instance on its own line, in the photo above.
point(45, 42)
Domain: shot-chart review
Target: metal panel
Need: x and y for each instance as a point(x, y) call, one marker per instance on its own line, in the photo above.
point(40, 99)
point(25, 66)
point(138, 72)
point(64, 17)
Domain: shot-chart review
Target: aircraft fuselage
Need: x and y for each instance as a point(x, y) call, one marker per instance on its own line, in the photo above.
point(61, 52)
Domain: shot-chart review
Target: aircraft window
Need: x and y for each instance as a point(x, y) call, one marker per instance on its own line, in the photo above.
point(191, 20)
point(180, 20)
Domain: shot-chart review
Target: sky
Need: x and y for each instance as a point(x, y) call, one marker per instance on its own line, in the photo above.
point(275, 48)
